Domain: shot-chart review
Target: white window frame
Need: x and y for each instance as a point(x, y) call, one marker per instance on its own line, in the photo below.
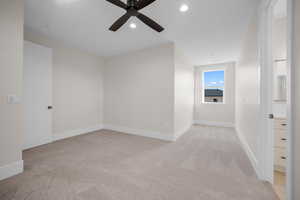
point(203, 85)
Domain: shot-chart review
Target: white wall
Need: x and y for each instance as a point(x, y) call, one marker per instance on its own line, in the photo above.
point(216, 114)
point(148, 92)
point(139, 92)
point(77, 87)
point(11, 59)
point(279, 39)
point(184, 94)
point(296, 100)
point(248, 91)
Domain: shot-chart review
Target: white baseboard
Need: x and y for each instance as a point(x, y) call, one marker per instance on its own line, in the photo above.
point(40, 143)
point(249, 152)
point(212, 123)
point(11, 169)
point(180, 133)
point(67, 134)
point(144, 133)
point(150, 134)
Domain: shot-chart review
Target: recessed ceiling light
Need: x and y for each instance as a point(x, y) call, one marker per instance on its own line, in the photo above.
point(132, 25)
point(184, 8)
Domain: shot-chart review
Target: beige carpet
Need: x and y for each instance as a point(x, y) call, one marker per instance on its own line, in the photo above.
point(205, 164)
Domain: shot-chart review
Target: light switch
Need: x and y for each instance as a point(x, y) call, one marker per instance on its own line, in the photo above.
point(13, 99)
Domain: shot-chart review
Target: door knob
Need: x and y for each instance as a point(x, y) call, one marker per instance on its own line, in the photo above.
point(271, 116)
point(50, 107)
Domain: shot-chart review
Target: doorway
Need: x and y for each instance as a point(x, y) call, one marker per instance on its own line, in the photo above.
point(279, 54)
point(275, 94)
point(37, 95)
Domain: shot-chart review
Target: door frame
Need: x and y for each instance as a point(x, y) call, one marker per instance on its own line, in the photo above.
point(266, 139)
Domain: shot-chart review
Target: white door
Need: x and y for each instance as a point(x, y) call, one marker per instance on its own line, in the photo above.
point(37, 95)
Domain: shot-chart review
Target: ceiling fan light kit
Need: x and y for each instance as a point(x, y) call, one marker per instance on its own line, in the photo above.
point(132, 10)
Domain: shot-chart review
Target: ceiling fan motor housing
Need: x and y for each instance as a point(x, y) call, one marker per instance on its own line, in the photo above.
point(133, 7)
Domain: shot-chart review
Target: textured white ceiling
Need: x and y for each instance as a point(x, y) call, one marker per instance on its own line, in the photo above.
point(210, 32)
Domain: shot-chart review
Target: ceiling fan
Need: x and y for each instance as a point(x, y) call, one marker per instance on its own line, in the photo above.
point(132, 10)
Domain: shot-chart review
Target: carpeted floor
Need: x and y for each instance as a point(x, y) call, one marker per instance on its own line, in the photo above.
point(207, 163)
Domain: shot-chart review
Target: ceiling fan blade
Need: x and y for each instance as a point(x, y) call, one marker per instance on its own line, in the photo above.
point(143, 3)
point(150, 22)
point(118, 3)
point(120, 22)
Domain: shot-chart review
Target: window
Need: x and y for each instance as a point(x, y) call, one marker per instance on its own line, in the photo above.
point(213, 86)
